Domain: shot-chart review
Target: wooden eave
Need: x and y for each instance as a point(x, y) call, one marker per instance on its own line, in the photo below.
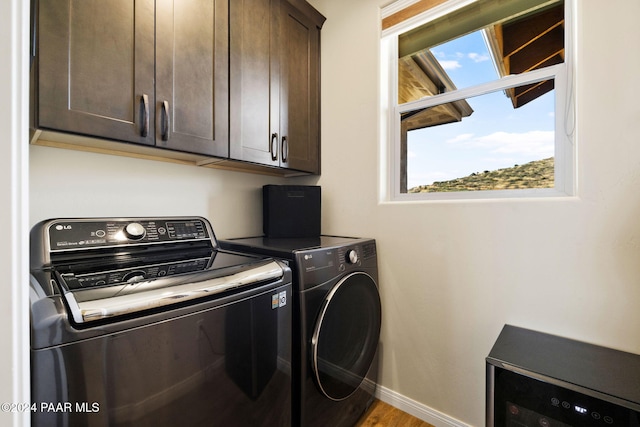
point(421, 75)
point(528, 43)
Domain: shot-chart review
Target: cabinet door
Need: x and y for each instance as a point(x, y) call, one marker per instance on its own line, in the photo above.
point(299, 90)
point(192, 89)
point(96, 68)
point(255, 133)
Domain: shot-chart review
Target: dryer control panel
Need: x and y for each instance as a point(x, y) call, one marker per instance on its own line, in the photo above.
point(355, 255)
point(321, 265)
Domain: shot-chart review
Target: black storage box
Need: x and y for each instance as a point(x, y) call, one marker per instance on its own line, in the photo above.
point(291, 210)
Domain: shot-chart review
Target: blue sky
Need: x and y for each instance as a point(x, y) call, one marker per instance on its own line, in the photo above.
point(495, 136)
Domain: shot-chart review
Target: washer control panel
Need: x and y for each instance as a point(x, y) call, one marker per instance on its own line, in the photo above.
point(79, 234)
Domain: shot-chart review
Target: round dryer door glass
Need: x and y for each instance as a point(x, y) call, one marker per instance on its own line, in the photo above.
point(346, 335)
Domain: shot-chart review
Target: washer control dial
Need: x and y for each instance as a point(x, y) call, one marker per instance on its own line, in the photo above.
point(134, 231)
point(352, 256)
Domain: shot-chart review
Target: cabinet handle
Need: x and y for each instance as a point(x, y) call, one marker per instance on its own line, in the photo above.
point(273, 146)
point(144, 104)
point(285, 149)
point(165, 121)
point(34, 33)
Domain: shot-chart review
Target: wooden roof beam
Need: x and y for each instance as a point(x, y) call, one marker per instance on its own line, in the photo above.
point(521, 33)
point(526, 94)
point(538, 52)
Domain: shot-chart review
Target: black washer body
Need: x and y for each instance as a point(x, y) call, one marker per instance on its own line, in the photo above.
point(145, 322)
point(336, 323)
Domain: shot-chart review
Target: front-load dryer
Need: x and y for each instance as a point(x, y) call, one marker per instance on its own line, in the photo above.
point(336, 324)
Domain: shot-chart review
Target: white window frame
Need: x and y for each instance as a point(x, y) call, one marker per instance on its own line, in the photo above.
point(390, 153)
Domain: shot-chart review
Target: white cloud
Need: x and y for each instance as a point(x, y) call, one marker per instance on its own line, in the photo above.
point(463, 137)
point(476, 57)
point(449, 65)
point(536, 143)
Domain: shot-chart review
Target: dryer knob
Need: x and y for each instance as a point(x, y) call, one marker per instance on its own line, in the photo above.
point(352, 256)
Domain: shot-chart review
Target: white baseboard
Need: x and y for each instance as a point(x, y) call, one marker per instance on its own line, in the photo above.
point(417, 409)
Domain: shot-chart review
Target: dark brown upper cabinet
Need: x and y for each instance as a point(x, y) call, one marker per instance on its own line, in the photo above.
point(275, 83)
point(145, 72)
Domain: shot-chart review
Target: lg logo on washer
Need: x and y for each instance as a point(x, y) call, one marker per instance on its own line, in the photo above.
point(61, 227)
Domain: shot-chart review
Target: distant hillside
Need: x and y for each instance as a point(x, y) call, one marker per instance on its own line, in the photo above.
point(536, 174)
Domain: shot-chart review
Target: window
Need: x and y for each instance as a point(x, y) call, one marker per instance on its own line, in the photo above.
point(478, 99)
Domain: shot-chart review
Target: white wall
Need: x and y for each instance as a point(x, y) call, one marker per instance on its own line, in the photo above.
point(453, 273)
point(66, 183)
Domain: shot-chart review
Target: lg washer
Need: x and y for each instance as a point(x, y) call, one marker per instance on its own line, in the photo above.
point(336, 323)
point(146, 322)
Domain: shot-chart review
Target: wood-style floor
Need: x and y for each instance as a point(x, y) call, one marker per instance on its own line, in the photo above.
point(381, 414)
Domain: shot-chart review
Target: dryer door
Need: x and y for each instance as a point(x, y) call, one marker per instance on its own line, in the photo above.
point(346, 335)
